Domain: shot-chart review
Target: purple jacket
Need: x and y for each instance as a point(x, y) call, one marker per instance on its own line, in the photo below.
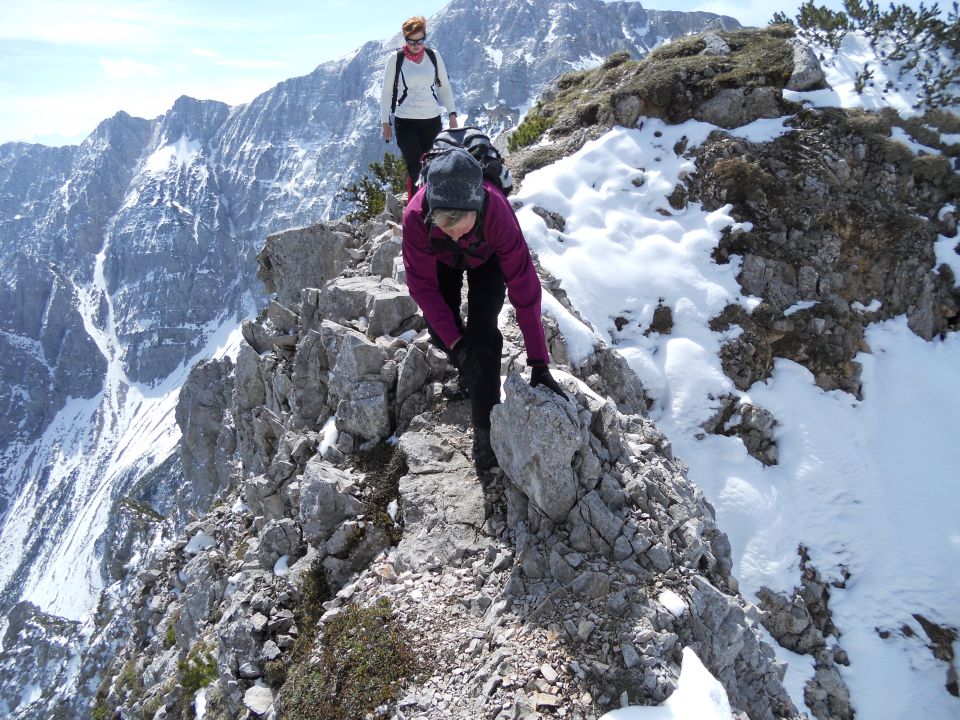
point(502, 236)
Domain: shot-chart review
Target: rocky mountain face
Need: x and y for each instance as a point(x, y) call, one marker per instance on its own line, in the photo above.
point(844, 219)
point(123, 256)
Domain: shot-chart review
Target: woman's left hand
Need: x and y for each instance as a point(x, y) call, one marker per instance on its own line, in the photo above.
point(540, 375)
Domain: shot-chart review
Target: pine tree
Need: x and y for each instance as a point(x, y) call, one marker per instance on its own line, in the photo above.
point(919, 40)
point(369, 196)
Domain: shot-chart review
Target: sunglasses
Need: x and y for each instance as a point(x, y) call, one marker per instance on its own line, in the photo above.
point(418, 41)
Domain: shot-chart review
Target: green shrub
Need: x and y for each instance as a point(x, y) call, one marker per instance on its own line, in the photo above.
point(170, 637)
point(128, 683)
point(151, 705)
point(921, 40)
point(314, 593)
point(369, 196)
point(275, 672)
point(197, 670)
point(382, 468)
point(530, 131)
point(364, 657)
point(822, 24)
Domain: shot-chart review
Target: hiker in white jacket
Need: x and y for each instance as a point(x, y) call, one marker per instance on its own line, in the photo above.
point(415, 85)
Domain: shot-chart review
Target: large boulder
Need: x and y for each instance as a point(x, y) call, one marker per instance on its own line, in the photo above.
point(300, 258)
point(733, 107)
point(443, 505)
point(203, 409)
point(807, 73)
point(535, 436)
point(327, 499)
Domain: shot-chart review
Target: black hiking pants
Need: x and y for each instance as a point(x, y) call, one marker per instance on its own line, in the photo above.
point(414, 138)
point(485, 294)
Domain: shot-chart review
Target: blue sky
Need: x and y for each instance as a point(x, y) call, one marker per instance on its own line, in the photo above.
point(65, 65)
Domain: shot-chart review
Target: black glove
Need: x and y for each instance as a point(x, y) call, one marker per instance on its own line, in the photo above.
point(466, 361)
point(540, 375)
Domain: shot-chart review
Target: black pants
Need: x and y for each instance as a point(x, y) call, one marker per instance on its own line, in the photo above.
point(485, 294)
point(414, 138)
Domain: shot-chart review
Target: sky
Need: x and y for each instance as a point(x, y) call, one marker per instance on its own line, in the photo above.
point(868, 485)
point(66, 65)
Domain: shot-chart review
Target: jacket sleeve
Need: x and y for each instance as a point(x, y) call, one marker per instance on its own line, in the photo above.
point(386, 93)
point(523, 284)
point(446, 92)
point(421, 269)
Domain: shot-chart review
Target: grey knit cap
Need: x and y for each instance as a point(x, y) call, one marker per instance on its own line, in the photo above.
point(454, 182)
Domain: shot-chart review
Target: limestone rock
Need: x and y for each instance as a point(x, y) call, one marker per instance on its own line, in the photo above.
point(733, 107)
point(326, 500)
point(303, 257)
point(535, 436)
point(807, 73)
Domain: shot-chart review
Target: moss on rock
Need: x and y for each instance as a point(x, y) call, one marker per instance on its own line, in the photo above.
point(364, 657)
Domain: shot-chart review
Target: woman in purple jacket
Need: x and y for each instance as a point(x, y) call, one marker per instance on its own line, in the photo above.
point(458, 224)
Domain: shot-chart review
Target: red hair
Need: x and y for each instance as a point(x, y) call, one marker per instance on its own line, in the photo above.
point(415, 24)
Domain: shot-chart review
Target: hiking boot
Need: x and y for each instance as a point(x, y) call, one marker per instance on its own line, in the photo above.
point(484, 459)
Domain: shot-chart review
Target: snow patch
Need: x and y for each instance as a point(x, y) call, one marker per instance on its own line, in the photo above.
point(587, 62)
point(199, 542)
point(762, 130)
point(873, 307)
point(178, 154)
point(797, 307)
point(902, 136)
point(495, 55)
point(699, 696)
point(329, 435)
point(892, 85)
point(945, 249)
point(200, 703)
point(672, 602)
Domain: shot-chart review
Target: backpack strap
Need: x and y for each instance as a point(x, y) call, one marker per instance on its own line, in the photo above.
point(436, 68)
point(396, 80)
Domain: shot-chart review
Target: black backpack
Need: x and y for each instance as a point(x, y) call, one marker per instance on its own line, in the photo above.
point(474, 141)
point(396, 78)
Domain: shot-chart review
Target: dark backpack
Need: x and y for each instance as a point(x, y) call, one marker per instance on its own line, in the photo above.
point(397, 77)
point(474, 141)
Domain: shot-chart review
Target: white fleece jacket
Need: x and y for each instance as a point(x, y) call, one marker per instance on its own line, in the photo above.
point(424, 98)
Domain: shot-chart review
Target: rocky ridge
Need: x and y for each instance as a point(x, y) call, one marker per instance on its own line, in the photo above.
point(566, 584)
point(841, 213)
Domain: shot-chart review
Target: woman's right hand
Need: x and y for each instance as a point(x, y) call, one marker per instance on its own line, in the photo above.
point(387, 132)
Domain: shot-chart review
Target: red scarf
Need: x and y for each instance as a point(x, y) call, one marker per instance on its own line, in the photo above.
point(415, 57)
